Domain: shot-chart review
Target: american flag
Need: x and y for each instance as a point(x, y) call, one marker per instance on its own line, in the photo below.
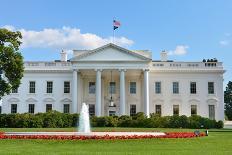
point(116, 24)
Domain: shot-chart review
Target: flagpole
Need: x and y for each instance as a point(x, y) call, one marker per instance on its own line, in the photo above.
point(113, 30)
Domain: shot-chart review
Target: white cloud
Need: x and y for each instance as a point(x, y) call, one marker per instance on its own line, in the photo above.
point(224, 42)
point(180, 50)
point(65, 38)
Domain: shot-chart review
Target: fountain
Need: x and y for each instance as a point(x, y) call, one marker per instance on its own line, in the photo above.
point(84, 125)
point(84, 129)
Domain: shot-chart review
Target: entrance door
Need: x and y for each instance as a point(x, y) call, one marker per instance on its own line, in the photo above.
point(211, 112)
point(112, 112)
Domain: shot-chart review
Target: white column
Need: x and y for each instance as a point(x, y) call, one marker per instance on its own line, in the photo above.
point(98, 93)
point(74, 92)
point(122, 92)
point(146, 93)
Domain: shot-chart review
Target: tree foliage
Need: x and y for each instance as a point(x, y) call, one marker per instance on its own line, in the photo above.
point(228, 100)
point(11, 61)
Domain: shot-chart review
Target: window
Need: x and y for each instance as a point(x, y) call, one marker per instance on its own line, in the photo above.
point(210, 87)
point(48, 107)
point(112, 88)
point(132, 109)
point(91, 109)
point(158, 87)
point(158, 110)
point(92, 87)
point(66, 108)
point(66, 87)
point(175, 109)
point(193, 87)
point(49, 86)
point(31, 108)
point(112, 113)
point(175, 86)
point(32, 87)
point(132, 87)
point(13, 108)
point(193, 110)
point(211, 112)
point(14, 91)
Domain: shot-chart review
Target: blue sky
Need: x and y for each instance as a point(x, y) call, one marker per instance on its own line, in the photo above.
point(191, 30)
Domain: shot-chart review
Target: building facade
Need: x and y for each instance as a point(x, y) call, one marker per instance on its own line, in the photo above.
point(116, 81)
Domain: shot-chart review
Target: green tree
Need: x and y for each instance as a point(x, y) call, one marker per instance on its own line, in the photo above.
point(11, 61)
point(228, 100)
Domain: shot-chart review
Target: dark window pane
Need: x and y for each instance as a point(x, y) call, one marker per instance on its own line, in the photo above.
point(66, 108)
point(48, 107)
point(91, 109)
point(158, 87)
point(132, 87)
point(66, 87)
point(31, 108)
point(92, 87)
point(193, 109)
point(193, 87)
point(175, 109)
point(32, 87)
point(211, 87)
point(49, 86)
point(132, 109)
point(13, 108)
point(158, 109)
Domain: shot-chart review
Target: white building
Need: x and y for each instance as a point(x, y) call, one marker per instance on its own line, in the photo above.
point(135, 82)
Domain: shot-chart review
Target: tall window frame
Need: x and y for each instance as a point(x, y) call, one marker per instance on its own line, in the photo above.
point(158, 87)
point(132, 109)
point(158, 109)
point(193, 87)
point(31, 108)
point(132, 87)
point(193, 110)
point(176, 109)
point(92, 87)
point(210, 87)
point(175, 87)
point(49, 87)
point(31, 87)
point(112, 87)
point(14, 108)
point(66, 87)
point(66, 108)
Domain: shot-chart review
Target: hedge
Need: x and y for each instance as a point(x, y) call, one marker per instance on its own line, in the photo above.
point(54, 119)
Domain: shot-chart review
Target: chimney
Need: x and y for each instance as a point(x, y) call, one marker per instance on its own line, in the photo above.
point(63, 56)
point(164, 56)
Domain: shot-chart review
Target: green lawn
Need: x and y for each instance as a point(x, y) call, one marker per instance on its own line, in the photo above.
point(218, 142)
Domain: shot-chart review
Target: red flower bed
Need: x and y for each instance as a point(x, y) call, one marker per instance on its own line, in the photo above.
point(77, 137)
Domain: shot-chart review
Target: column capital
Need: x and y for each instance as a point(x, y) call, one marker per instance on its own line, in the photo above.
point(122, 70)
point(146, 70)
point(75, 69)
point(98, 70)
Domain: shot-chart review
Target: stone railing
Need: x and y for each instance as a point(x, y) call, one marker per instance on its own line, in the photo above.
point(190, 65)
point(40, 65)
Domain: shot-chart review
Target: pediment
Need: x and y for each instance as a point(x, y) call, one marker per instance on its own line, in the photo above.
point(194, 101)
point(110, 52)
point(31, 100)
point(66, 100)
point(13, 100)
point(49, 100)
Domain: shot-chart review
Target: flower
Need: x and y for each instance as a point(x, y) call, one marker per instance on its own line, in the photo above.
point(105, 137)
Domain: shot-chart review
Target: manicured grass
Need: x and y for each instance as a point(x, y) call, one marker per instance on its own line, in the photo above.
point(218, 142)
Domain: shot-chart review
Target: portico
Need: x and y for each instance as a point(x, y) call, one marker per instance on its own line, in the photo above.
point(93, 68)
point(121, 89)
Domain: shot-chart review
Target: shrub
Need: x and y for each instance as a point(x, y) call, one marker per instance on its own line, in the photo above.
point(54, 119)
